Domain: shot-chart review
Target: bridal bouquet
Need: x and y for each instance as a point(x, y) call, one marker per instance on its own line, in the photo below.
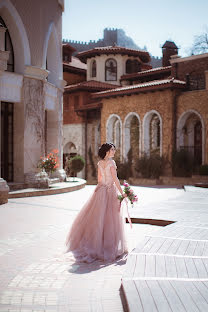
point(50, 162)
point(130, 194)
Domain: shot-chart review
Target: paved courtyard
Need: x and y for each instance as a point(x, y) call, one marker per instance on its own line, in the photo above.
point(34, 274)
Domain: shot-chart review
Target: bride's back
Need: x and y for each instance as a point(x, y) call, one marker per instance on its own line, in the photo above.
point(105, 170)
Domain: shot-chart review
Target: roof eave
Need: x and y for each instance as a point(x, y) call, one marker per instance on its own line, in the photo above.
point(140, 90)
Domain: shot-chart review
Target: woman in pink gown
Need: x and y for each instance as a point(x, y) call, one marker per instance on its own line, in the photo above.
point(97, 233)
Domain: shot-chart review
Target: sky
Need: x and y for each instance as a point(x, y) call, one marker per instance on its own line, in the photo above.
point(148, 22)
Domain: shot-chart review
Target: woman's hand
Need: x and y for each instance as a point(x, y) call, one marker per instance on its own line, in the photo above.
point(124, 195)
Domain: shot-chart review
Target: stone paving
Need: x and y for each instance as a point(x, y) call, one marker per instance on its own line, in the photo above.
point(34, 274)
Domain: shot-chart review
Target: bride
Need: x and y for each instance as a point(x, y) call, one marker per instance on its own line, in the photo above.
point(97, 233)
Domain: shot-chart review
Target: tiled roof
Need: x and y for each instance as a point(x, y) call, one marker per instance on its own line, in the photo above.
point(143, 55)
point(75, 66)
point(170, 44)
point(148, 72)
point(90, 85)
point(142, 87)
point(68, 47)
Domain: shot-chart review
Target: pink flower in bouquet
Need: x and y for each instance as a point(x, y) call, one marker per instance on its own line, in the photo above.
point(130, 194)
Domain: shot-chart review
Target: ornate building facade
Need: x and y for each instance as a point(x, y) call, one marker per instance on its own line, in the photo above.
point(31, 87)
point(151, 110)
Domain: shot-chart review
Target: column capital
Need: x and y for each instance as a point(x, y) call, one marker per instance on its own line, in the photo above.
point(36, 72)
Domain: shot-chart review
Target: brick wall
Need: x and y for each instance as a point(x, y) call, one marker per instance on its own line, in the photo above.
point(69, 115)
point(161, 101)
point(194, 66)
point(73, 78)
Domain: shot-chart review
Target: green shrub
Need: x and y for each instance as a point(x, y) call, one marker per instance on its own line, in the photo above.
point(203, 170)
point(150, 166)
point(74, 164)
point(123, 170)
point(182, 163)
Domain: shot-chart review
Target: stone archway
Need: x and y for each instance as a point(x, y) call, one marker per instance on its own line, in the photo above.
point(152, 133)
point(52, 56)
point(191, 135)
point(18, 35)
point(132, 134)
point(114, 132)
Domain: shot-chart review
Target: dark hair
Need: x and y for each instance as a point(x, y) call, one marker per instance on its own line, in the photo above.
point(104, 149)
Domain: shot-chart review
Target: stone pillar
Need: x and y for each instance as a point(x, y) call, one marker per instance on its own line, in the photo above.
point(4, 56)
point(34, 120)
point(55, 133)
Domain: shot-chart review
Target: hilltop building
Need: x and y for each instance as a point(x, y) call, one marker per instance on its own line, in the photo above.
point(111, 36)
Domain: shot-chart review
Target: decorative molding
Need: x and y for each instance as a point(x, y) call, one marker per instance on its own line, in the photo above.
point(36, 72)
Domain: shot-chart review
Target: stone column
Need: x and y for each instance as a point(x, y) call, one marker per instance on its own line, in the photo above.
point(34, 117)
point(4, 56)
point(55, 131)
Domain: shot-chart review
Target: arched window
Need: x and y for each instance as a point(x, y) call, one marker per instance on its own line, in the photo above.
point(8, 47)
point(93, 69)
point(111, 70)
point(154, 133)
point(132, 66)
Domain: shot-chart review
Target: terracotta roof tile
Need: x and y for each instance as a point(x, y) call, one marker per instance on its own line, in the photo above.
point(143, 55)
point(156, 84)
point(90, 85)
point(147, 72)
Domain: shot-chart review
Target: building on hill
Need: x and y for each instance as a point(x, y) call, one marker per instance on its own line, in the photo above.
point(111, 36)
point(151, 111)
point(31, 88)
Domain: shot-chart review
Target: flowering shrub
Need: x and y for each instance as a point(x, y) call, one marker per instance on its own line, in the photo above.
point(50, 162)
point(130, 194)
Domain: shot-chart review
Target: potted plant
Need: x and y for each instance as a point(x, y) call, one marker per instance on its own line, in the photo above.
point(74, 165)
point(49, 163)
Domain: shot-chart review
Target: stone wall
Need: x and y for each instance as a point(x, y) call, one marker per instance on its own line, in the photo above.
point(159, 101)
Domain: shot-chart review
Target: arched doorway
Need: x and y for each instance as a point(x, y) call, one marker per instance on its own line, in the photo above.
point(190, 135)
point(152, 129)
point(70, 150)
point(132, 135)
point(114, 133)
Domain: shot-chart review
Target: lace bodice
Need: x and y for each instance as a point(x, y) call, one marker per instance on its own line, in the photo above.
point(105, 170)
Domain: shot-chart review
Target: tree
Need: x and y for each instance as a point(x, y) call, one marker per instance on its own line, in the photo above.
point(74, 164)
point(200, 44)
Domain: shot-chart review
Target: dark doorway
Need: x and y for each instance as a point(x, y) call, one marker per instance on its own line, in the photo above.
point(7, 111)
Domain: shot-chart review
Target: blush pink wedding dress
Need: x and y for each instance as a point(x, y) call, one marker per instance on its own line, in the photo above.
point(97, 233)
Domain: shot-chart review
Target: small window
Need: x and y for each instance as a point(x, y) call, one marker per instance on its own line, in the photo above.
point(110, 70)
point(93, 69)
